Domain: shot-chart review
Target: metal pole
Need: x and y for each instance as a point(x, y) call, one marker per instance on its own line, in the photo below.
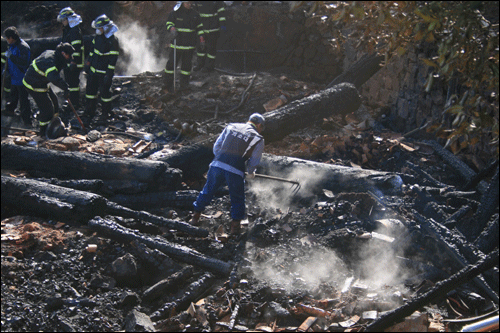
point(175, 60)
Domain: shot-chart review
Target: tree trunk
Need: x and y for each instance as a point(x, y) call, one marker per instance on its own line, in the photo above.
point(178, 252)
point(28, 196)
point(75, 165)
point(340, 99)
point(315, 176)
point(360, 72)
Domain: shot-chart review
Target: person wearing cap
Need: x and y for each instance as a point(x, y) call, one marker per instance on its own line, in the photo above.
point(185, 25)
point(213, 17)
point(238, 149)
point(100, 67)
point(72, 34)
point(17, 57)
point(42, 71)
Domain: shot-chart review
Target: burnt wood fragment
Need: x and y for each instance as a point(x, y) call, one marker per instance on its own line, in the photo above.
point(88, 185)
point(76, 165)
point(192, 293)
point(176, 251)
point(176, 279)
point(439, 290)
point(488, 239)
point(425, 175)
point(485, 172)
point(487, 207)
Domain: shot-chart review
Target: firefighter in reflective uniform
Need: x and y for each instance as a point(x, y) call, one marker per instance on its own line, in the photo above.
point(43, 70)
point(213, 17)
point(72, 34)
point(185, 26)
point(18, 57)
point(100, 67)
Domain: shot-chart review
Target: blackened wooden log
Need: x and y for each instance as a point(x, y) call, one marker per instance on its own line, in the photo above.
point(76, 165)
point(488, 171)
point(340, 99)
point(487, 207)
point(177, 252)
point(115, 209)
point(361, 71)
point(315, 176)
point(176, 279)
point(460, 251)
point(456, 164)
point(88, 185)
point(192, 160)
point(439, 290)
point(27, 196)
point(488, 239)
point(178, 199)
point(425, 175)
point(192, 293)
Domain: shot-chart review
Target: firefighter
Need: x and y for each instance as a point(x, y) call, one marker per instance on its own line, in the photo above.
point(185, 25)
point(43, 70)
point(18, 56)
point(100, 67)
point(72, 34)
point(213, 17)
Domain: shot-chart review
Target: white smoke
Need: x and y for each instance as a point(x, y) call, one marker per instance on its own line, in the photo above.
point(139, 46)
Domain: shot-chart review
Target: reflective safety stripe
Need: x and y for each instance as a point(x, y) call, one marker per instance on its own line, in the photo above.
point(74, 89)
point(6, 89)
point(37, 70)
point(185, 73)
point(111, 67)
point(35, 89)
point(208, 15)
point(201, 54)
point(210, 56)
point(106, 100)
point(169, 72)
point(44, 123)
point(181, 47)
point(211, 30)
point(91, 96)
point(97, 70)
point(222, 19)
point(76, 41)
point(220, 10)
point(185, 30)
point(76, 54)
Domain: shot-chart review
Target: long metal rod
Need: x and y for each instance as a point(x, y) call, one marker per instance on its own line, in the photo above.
point(175, 60)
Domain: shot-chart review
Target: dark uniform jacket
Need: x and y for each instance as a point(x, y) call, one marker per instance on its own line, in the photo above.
point(18, 62)
point(73, 36)
point(212, 14)
point(188, 24)
point(45, 69)
point(104, 55)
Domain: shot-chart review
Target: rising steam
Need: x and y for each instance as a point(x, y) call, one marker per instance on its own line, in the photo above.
point(139, 45)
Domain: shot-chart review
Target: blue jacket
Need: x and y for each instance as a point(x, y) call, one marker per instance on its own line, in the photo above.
point(18, 62)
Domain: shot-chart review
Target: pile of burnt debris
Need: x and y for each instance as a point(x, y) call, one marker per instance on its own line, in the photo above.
point(377, 231)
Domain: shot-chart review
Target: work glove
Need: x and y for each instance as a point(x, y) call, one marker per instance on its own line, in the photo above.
point(8, 53)
point(174, 32)
point(251, 175)
point(202, 42)
point(223, 28)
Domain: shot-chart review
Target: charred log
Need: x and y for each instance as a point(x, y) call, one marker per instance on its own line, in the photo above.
point(178, 252)
point(487, 207)
point(457, 165)
point(340, 99)
point(439, 290)
point(360, 72)
point(88, 185)
point(75, 165)
point(460, 251)
point(157, 290)
point(193, 292)
point(488, 239)
point(317, 176)
point(115, 209)
point(486, 172)
point(425, 175)
point(27, 196)
point(178, 199)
